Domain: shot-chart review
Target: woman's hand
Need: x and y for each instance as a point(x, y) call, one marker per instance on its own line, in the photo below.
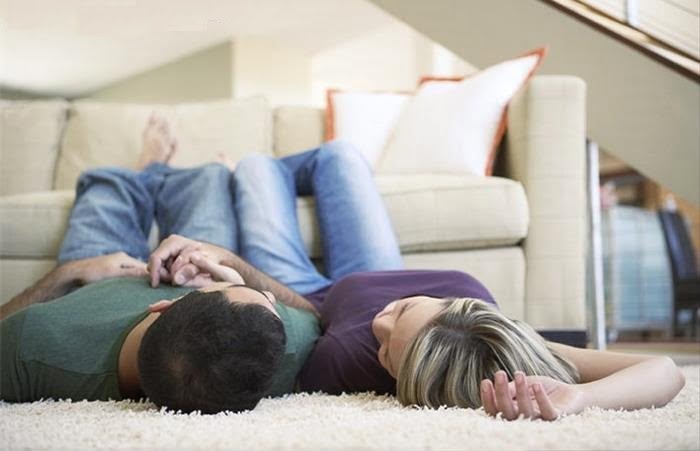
point(530, 396)
point(196, 268)
point(186, 262)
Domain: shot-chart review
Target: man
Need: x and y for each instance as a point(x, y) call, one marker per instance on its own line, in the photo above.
point(221, 348)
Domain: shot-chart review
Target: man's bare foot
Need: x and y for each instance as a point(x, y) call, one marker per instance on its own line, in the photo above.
point(158, 144)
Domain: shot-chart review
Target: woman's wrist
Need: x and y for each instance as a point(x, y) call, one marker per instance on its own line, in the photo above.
point(585, 397)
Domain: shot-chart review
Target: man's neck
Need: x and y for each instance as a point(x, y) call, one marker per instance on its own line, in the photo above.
point(128, 369)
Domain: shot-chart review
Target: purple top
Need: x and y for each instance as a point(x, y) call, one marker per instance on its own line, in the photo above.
point(345, 357)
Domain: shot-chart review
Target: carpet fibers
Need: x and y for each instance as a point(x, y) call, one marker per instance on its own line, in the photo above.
point(361, 421)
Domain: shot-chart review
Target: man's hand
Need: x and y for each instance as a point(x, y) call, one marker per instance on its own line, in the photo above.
point(94, 269)
point(529, 396)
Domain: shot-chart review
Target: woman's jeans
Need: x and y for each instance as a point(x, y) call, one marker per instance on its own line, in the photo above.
point(355, 230)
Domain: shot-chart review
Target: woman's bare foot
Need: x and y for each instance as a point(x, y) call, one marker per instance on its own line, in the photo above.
point(158, 145)
point(226, 161)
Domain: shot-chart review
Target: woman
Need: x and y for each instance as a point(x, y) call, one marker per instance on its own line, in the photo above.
point(432, 337)
point(470, 354)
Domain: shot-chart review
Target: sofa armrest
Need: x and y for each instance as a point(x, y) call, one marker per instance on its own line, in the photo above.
point(545, 151)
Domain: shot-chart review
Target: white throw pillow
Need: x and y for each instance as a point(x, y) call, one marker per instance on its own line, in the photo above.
point(455, 127)
point(365, 119)
point(109, 134)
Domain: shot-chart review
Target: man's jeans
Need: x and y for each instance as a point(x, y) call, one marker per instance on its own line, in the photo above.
point(115, 208)
point(355, 230)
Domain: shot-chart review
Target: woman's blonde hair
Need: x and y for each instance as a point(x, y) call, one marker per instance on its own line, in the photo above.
point(467, 342)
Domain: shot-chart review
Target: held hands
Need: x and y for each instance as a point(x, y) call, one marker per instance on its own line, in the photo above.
point(529, 396)
point(186, 262)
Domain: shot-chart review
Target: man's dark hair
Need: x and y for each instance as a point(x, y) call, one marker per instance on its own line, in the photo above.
point(209, 354)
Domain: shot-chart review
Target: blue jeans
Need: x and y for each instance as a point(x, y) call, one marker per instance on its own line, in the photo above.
point(115, 208)
point(356, 233)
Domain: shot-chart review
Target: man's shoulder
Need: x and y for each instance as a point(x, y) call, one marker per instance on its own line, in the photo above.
point(299, 325)
point(302, 330)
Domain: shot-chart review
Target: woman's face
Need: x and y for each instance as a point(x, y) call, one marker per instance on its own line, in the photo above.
point(396, 325)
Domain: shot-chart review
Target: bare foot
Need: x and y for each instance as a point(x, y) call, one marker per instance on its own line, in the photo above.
point(226, 161)
point(158, 145)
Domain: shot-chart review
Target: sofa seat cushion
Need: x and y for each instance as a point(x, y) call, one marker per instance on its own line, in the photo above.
point(433, 212)
point(429, 213)
point(32, 225)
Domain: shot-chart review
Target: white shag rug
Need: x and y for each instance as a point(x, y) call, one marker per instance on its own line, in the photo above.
point(361, 421)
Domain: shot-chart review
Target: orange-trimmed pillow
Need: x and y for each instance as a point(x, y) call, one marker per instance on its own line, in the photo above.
point(456, 126)
point(427, 78)
point(365, 119)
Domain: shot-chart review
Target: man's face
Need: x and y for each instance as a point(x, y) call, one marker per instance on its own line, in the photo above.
point(243, 294)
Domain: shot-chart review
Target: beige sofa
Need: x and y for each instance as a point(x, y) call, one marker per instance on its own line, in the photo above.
point(522, 233)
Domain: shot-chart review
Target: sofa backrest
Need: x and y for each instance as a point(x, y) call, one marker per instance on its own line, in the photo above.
point(48, 144)
point(30, 136)
point(297, 128)
point(104, 134)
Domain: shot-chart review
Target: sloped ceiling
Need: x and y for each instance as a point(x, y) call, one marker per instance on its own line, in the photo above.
point(70, 47)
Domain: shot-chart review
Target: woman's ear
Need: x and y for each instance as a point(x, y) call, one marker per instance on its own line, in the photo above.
point(160, 306)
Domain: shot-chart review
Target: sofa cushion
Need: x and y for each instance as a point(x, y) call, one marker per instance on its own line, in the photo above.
point(108, 134)
point(30, 134)
point(32, 225)
point(428, 212)
point(432, 212)
point(18, 274)
point(440, 212)
point(297, 128)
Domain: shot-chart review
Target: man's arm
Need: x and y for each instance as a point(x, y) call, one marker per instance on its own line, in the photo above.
point(67, 277)
point(53, 285)
point(169, 262)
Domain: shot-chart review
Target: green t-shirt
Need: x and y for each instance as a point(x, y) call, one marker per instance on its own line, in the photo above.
point(69, 347)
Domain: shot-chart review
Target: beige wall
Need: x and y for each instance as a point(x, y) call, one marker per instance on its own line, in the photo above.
point(391, 58)
point(267, 67)
point(386, 59)
point(205, 75)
